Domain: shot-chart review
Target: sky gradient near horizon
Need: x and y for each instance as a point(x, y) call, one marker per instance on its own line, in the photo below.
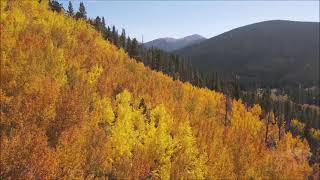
point(156, 19)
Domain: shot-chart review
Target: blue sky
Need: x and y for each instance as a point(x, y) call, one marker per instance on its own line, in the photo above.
point(155, 19)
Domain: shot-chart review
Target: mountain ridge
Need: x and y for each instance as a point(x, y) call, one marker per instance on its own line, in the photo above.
point(270, 50)
point(170, 44)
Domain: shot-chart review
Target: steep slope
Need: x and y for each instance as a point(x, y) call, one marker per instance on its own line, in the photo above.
point(172, 44)
point(274, 52)
point(74, 106)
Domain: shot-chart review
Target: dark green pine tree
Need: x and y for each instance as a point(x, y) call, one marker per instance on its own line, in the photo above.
point(103, 23)
point(82, 12)
point(128, 46)
point(217, 82)
point(134, 48)
point(107, 33)
point(55, 5)
point(70, 9)
point(267, 101)
point(98, 24)
point(236, 88)
point(114, 36)
point(287, 112)
point(122, 39)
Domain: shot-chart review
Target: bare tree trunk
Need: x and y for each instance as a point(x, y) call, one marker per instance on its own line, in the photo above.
point(267, 129)
point(281, 118)
point(226, 115)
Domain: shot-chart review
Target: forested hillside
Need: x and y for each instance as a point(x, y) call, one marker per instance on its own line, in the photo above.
point(286, 104)
point(75, 106)
point(271, 53)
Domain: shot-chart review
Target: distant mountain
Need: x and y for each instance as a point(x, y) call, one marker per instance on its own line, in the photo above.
point(171, 44)
point(274, 52)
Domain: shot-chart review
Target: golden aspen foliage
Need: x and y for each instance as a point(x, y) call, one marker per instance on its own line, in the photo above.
point(188, 162)
point(315, 134)
point(220, 162)
point(26, 154)
point(297, 127)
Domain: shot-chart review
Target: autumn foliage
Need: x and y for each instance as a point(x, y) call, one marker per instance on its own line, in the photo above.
point(74, 106)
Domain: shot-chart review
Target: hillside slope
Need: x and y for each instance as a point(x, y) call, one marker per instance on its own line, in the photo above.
point(74, 106)
point(272, 52)
point(172, 44)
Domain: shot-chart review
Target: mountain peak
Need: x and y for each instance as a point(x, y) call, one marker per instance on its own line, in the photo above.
point(194, 37)
point(171, 44)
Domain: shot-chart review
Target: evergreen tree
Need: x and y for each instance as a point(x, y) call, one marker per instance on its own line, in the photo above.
point(134, 47)
point(55, 5)
point(103, 23)
point(114, 35)
point(128, 45)
point(98, 24)
point(123, 39)
point(70, 9)
point(82, 12)
point(107, 34)
point(237, 90)
point(218, 83)
point(267, 101)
